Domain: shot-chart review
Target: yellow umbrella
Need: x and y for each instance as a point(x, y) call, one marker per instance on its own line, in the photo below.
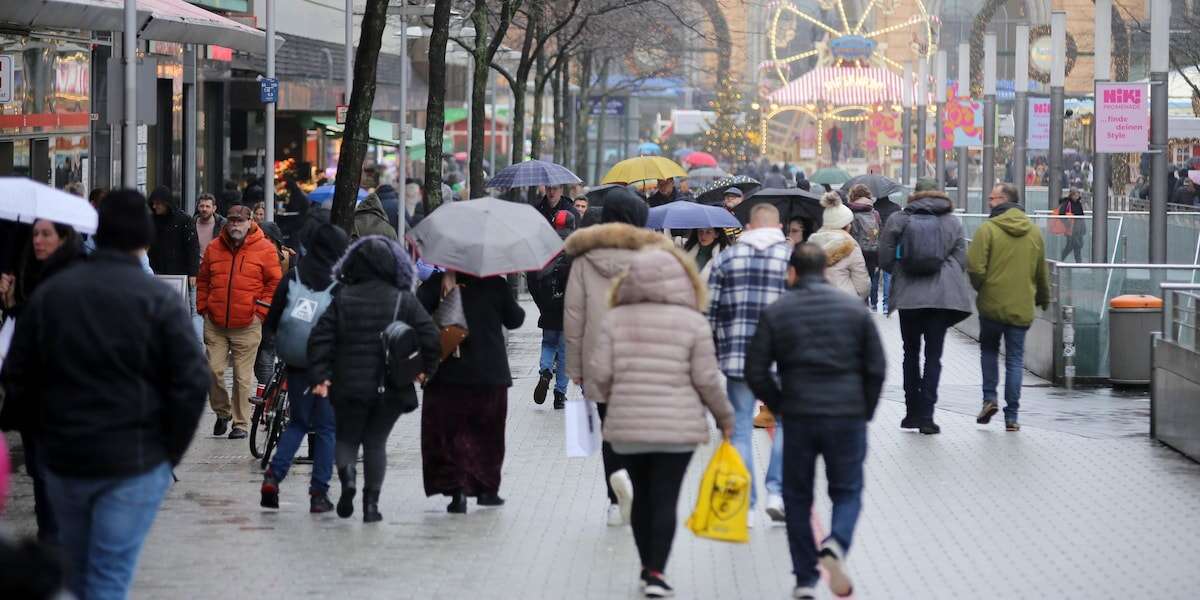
point(642, 168)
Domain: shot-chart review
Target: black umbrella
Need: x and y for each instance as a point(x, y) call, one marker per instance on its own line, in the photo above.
point(713, 193)
point(880, 186)
point(596, 195)
point(791, 202)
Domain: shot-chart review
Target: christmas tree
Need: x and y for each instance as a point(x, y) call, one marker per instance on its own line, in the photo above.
point(727, 137)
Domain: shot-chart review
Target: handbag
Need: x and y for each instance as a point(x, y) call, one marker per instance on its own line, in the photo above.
point(452, 323)
point(583, 428)
point(401, 352)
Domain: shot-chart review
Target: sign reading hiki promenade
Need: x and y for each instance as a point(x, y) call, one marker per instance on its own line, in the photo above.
point(1122, 117)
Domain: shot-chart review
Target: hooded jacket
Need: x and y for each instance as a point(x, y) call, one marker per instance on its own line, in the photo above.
point(600, 253)
point(948, 288)
point(344, 346)
point(654, 362)
point(234, 284)
point(325, 244)
point(389, 199)
point(827, 352)
point(845, 266)
point(1007, 266)
point(370, 219)
point(175, 249)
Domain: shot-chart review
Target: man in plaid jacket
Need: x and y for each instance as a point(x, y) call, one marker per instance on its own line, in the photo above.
point(745, 279)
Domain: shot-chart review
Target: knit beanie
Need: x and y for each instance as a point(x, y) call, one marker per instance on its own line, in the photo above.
point(125, 222)
point(837, 215)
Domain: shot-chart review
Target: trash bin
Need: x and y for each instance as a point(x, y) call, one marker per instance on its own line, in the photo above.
point(1131, 319)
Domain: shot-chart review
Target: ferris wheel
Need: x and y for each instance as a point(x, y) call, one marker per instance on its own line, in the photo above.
point(882, 33)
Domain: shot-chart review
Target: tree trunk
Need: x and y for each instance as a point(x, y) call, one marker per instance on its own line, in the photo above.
point(583, 118)
point(358, 119)
point(519, 85)
point(435, 106)
point(556, 115)
point(539, 108)
point(565, 135)
point(599, 162)
point(481, 66)
point(724, 42)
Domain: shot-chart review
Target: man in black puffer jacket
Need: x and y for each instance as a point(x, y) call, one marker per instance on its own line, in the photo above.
point(827, 351)
point(176, 249)
point(345, 353)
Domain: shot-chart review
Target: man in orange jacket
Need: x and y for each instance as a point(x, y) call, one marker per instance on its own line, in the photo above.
point(238, 275)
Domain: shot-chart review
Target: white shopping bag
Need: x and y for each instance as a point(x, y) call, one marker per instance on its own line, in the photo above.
point(583, 428)
point(6, 335)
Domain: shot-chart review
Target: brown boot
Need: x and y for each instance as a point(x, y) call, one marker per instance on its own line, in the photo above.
point(764, 419)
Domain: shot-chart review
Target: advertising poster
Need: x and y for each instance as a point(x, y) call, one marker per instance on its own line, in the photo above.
point(963, 127)
point(1122, 117)
point(1039, 124)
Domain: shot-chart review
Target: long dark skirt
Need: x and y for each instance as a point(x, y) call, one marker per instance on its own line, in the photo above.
point(462, 438)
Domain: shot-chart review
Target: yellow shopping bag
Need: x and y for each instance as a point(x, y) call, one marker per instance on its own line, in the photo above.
point(724, 501)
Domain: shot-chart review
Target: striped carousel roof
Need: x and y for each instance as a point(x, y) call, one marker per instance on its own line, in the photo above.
point(842, 86)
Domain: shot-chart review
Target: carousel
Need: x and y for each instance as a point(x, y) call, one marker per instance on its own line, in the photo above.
point(834, 80)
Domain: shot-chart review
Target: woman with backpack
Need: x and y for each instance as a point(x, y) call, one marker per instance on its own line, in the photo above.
point(305, 283)
point(925, 250)
point(346, 351)
point(867, 224)
point(845, 269)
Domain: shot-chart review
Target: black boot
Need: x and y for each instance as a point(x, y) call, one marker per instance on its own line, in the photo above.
point(560, 400)
point(345, 505)
point(371, 506)
point(318, 502)
point(270, 491)
point(458, 504)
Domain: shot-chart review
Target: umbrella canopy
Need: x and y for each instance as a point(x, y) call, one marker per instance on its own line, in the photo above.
point(700, 159)
point(880, 186)
point(682, 214)
point(596, 195)
point(461, 156)
point(26, 201)
point(705, 175)
point(791, 202)
point(532, 173)
point(324, 193)
point(486, 237)
point(649, 149)
point(830, 176)
point(713, 193)
point(643, 168)
point(681, 153)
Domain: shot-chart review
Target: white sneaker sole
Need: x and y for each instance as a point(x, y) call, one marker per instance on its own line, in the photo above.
point(623, 488)
point(776, 514)
point(839, 581)
point(654, 591)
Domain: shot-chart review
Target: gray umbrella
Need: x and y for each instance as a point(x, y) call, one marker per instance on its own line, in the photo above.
point(486, 237)
point(879, 185)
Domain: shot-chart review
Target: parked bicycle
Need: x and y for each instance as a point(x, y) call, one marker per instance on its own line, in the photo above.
point(271, 415)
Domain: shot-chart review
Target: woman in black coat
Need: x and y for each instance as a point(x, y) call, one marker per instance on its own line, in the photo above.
point(466, 403)
point(346, 355)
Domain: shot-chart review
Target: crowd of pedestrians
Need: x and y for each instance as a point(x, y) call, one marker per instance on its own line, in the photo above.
point(660, 333)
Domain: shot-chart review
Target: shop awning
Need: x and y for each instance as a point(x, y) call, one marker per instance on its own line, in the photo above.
point(842, 86)
point(380, 131)
point(161, 20)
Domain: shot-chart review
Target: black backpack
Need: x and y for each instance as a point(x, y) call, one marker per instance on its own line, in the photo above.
point(401, 352)
point(920, 251)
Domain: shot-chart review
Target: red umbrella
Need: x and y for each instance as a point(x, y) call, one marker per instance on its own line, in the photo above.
point(700, 159)
point(460, 156)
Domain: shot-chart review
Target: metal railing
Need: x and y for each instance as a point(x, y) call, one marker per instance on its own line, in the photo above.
point(1181, 307)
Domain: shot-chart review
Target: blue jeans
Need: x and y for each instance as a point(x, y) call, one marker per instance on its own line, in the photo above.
point(774, 482)
point(873, 296)
point(103, 523)
point(887, 288)
point(309, 413)
point(990, 333)
point(842, 442)
point(743, 427)
point(554, 357)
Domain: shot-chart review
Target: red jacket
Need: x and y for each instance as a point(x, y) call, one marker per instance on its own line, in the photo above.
point(232, 282)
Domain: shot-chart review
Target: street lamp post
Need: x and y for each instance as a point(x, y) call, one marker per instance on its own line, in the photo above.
point(129, 129)
point(1058, 45)
point(939, 122)
point(989, 113)
point(922, 102)
point(906, 103)
point(1100, 160)
point(402, 151)
point(1021, 109)
point(348, 49)
point(269, 155)
point(1160, 16)
point(964, 91)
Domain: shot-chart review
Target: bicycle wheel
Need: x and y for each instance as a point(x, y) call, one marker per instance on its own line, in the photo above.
point(278, 423)
point(259, 424)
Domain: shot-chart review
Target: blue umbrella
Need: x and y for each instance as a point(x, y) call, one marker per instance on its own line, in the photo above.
point(649, 149)
point(532, 173)
point(682, 214)
point(680, 153)
point(324, 194)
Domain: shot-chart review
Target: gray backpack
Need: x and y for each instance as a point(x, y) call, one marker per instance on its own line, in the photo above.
point(920, 251)
point(304, 308)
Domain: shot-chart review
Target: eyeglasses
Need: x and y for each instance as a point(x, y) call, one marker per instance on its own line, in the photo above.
point(996, 197)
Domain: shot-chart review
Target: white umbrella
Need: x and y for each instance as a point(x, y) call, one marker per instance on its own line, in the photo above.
point(26, 200)
point(486, 237)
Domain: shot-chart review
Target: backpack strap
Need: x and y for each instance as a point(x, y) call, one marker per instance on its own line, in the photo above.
point(386, 348)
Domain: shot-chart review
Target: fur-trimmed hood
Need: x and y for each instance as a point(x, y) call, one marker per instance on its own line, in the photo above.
point(660, 276)
point(837, 245)
point(607, 246)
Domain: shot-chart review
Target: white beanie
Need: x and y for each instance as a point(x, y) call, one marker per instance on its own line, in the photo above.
point(837, 215)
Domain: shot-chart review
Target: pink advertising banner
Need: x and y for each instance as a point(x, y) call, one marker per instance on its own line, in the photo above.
point(1122, 117)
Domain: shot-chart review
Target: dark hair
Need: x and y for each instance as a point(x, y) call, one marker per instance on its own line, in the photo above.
point(807, 259)
point(162, 194)
point(125, 222)
point(96, 196)
point(694, 238)
point(1010, 191)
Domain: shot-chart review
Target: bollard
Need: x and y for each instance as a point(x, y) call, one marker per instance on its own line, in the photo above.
point(1068, 341)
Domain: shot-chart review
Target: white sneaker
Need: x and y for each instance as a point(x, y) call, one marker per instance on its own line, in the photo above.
point(623, 487)
point(614, 516)
point(775, 508)
point(750, 519)
point(804, 593)
point(833, 560)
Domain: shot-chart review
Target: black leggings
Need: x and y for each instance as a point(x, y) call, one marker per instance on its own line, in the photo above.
point(366, 425)
point(613, 462)
point(657, 477)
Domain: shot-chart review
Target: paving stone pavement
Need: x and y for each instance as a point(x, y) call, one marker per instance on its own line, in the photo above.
point(1049, 512)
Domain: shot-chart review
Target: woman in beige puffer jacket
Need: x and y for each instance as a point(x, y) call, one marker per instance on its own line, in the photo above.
point(655, 366)
point(845, 267)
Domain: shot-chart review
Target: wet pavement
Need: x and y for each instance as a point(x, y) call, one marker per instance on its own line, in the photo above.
point(1079, 504)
